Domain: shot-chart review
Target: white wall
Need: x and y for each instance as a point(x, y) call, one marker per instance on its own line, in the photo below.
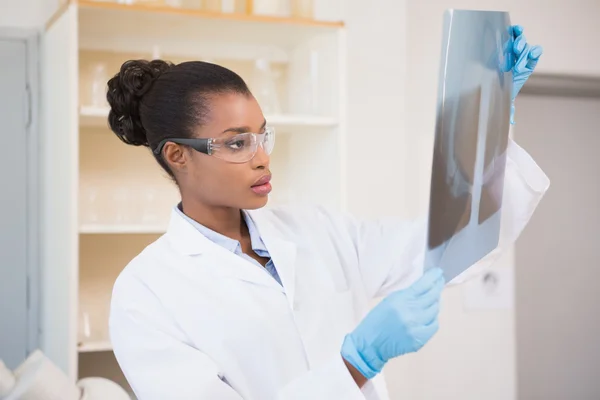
point(376, 108)
point(26, 13)
point(558, 323)
point(393, 59)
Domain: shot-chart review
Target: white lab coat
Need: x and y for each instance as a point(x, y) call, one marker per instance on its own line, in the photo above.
point(191, 320)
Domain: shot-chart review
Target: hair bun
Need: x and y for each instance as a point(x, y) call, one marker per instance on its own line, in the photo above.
point(125, 91)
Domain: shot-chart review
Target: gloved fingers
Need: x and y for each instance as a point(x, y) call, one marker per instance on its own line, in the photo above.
point(521, 65)
point(528, 59)
point(516, 30)
point(426, 332)
point(426, 282)
point(533, 57)
point(519, 45)
point(430, 297)
point(430, 314)
point(424, 300)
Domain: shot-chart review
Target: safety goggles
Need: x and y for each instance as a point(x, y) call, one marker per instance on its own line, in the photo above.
point(239, 148)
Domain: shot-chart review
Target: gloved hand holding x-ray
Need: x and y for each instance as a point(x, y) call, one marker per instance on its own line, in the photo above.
point(400, 324)
point(527, 57)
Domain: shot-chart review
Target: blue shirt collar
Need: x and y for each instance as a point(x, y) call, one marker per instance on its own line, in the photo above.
point(227, 242)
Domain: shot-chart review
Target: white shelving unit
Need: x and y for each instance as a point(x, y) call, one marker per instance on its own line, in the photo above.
point(124, 229)
point(105, 201)
point(91, 347)
point(90, 117)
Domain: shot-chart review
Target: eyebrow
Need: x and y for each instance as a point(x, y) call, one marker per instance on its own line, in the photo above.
point(243, 129)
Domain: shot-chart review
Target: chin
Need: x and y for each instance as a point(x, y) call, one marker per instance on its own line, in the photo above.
point(256, 203)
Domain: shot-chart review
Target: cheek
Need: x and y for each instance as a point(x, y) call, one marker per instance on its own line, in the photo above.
point(218, 178)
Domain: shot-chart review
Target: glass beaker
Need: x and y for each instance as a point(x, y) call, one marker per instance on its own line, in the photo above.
point(89, 205)
point(303, 92)
point(302, 8)
point(98, 85)
point(150, 206)
point(279, 8)
point(264, 87)
point(121, 206)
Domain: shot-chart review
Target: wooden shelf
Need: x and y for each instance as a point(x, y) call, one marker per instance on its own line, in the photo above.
point(91, 347)
point(163, 9)
point(97, 117)
point(122, 229)
point(133, 29)
point(297, 121)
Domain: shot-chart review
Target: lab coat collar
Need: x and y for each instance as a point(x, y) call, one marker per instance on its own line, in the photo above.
point(184, 237)
point(187, 240)
point(282, 251)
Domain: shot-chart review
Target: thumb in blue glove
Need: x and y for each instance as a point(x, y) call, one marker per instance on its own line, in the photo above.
point(401, 323)
point(527, 57)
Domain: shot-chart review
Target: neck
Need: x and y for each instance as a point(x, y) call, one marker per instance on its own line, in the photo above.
point(225, 220)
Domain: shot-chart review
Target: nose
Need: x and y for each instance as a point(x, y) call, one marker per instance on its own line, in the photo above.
point(261, 159)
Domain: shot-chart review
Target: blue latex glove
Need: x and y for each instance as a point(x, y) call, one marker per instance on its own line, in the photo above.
point(527, 57)
point(401, 323)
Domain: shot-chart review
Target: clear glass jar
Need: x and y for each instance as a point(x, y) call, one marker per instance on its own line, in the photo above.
point(278, 8)
point(98, 85)
point(264, 87)
point(302, 8)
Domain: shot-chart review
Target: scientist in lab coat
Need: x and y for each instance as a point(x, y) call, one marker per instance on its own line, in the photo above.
point(239, 302)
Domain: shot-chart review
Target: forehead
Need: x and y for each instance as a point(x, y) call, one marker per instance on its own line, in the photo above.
point(232, 110)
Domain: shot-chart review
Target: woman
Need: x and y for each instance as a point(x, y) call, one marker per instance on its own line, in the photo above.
point(238, 302)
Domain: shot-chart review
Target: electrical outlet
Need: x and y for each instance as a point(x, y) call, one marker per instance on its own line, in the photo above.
point(492, 290)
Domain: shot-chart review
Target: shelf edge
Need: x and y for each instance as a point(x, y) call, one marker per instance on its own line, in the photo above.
point(208, 14)
point(94, 347)
point(124, 230)
point(90, 112)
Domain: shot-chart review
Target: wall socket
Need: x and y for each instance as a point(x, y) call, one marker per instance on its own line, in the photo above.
point(494, 289)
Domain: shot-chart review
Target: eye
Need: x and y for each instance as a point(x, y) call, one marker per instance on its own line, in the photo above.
point(237, 143)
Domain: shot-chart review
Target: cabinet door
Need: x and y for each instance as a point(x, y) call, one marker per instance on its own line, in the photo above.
point(58, 191)
point(14, 117)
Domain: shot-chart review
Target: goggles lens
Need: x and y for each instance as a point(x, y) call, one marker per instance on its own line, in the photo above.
point(242, 147)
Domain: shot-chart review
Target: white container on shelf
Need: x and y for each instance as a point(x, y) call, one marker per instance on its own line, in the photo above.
point(187, 4)
point(98, 85)
point(264, 87)
point(90, 203)
point(303, 82)
point(211, 5)
point(150, 207)
point(227, 6)
point(121, 210)
point(302, 8)
point(278, 8)
point(174, 3)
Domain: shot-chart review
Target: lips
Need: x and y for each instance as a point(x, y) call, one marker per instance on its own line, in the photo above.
point(262, 187)
point(262, 181)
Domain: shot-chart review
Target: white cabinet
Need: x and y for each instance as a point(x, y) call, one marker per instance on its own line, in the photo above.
point(19, 195)
point(104, 201)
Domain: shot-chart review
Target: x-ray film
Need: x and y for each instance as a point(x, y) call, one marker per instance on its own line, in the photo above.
point(471, 137)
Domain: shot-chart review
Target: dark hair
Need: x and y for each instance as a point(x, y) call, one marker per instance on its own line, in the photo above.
point(154, 100)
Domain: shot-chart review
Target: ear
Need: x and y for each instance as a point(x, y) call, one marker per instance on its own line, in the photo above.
point(176, 157)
